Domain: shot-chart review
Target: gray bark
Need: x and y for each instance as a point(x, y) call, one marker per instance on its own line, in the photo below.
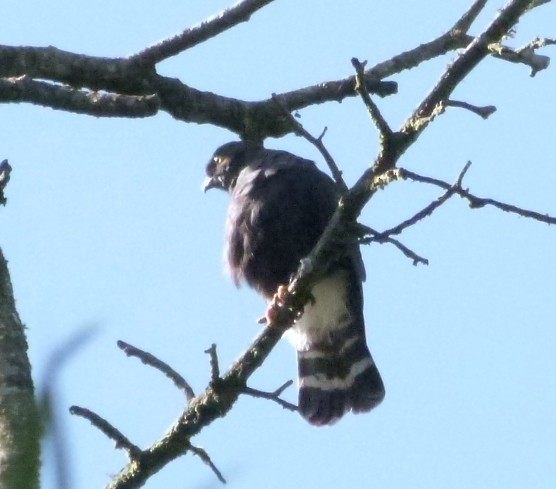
point(19, 423)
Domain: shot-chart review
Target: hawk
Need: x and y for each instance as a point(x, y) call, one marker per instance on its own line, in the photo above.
point(280, 205)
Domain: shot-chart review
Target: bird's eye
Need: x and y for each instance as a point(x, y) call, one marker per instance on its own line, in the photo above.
point(212, 166)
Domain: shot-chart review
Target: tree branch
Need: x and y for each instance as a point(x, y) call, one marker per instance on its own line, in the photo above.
point(149, 359)
point(476, 202)
point(272, 396)
point(133, 451)
point(378, 237)
point(211, 27)
point(20, 427)
point(485, 112)
point(5, 170)
point(24, 89)
point(299, 130)
point(214, 364)
point(466, 20)
point(432, 105)
point(383, 128)
point(477, 50)
point(136, 90)
point(204, 456)
point(525, 55)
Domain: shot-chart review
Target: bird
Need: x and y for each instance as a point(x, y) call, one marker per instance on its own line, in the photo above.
point(280, 204)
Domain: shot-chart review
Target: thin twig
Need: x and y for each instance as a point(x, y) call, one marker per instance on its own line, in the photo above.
point(386, 236)
point(5, 170)
point(476, 202)
point(272, 396)
point(211, 27)
point(485, 112)
point(204, 456)
point(381, 238)
point(429, 209)
point(214, 366)
point(539, 42)
point(299, 130)
point(376, 116)
point(133, 451)
point(409, 253)
point(149, 359)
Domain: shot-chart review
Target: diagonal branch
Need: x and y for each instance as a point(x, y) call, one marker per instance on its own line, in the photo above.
point(429, 209)
point(462, 66)
point(149, 359)
point(466, 20)
point(211, 27)
point(433, 104)
point(379, 121)
point(476, 202)
point(133, 451)
point(204, 456)
point(378, 237)
point(272, 396)
point(299, 130)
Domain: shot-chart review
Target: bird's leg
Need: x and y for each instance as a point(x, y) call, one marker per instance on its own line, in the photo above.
point(286, 302)
point(276, 303)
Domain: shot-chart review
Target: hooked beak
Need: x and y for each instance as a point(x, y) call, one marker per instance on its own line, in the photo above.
point(209, 183)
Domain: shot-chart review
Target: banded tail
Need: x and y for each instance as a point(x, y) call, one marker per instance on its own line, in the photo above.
point(337, 373)
point(334, 381)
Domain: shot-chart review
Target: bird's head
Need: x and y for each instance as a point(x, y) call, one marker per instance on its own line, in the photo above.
point(226, 163)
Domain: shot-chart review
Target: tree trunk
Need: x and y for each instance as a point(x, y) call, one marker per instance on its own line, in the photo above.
point(19, 423)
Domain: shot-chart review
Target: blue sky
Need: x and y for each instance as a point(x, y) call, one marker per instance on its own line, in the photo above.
point(106, 227)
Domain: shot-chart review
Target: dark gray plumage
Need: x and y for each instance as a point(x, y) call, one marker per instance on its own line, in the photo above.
point(280, 204)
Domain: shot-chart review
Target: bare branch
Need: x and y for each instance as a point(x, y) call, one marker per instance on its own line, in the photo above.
point(485, 112)
point(464, 64)
point(429, 209)
point(537, 3)
point(374, 112)
point(152, 361)
point(272, 396)
point(381, 238)
point(299, 130)
point(478, 202)
point(409, 253)
point(5, 170)
point(467, 19)
point(24, 89)
point(133, 451)
point(211, 27)
point(133, 77)
point(525, 55)
point(432, 105)
point(450, 41)
point(77, 70)
point(539, 43)
point(206, 459)
point(214, 366)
